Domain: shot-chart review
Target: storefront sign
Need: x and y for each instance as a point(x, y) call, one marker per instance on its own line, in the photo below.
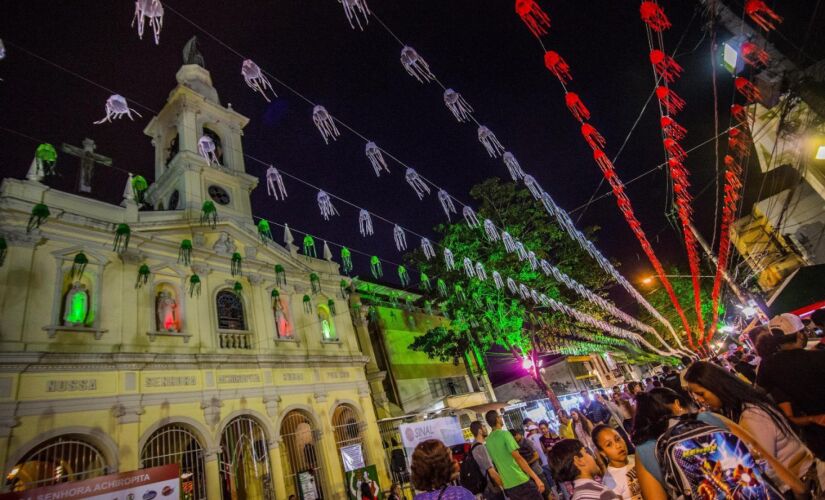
point(307, 488)
point(445, 429)
point(159, 483)
point(352, 456)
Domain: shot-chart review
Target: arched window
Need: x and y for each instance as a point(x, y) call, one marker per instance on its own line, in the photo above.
point(58, 460)
point(301, 455)
point(349, 439)
point(245, 470)
point(167, 309)
point(283, 319)
point(327, 323)
point(230, 311)
point(176, 444)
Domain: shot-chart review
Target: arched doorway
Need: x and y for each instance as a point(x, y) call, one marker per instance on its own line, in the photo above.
point(58, 460)
point(348, 429)
point(245, 470)
point(176, 444)
point(301, 456)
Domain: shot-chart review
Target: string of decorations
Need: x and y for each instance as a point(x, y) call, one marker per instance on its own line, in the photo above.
point(417, 67)
point(666, 70)
point(556, 65)
point(462, 111)
point(739, 145)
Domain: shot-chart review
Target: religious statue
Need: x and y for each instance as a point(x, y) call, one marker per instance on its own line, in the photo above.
point(76, 306)
point(191, 54)
point(88, 159)
point(224, 245)
point(167, 312)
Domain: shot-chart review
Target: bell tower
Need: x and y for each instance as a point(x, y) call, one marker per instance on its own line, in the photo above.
point(183, 178)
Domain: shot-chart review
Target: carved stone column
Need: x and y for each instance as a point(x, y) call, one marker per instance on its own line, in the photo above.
point(278, 472)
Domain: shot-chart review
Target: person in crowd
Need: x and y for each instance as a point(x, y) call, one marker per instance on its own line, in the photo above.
point(620, 474)
point(529, 454)
point(547, 439)
point(673, 380)
point(566, 430)
point(625, 411)
point(657, 383)
point(648, 385)
point(494, 490)
point(592, 409)
point(518, 479)
point(432, 469)
point(742, 367)
point(793, 377)
point(582, 427)
point(634, 388)
point(751, 408)
point(654, 414)
point(818, 320)
point(615, 416)
point(570, 460)
point(395, 492)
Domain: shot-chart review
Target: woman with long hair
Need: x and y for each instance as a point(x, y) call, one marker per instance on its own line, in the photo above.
point(583, 427)
point(654, 413)
point(751, 408)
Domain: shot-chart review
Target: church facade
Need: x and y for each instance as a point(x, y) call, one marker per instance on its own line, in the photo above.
point(200, 343)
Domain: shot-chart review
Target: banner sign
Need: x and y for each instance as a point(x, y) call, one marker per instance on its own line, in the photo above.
point(159, 483)
point(445, 429)
point(362, 484)
point(352, 456)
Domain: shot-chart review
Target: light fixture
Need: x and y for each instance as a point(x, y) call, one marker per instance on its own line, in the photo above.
point(731, 59)
point(648, 280)
point(820, 153)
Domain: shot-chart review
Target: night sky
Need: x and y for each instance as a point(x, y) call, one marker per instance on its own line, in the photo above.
point(481, 49)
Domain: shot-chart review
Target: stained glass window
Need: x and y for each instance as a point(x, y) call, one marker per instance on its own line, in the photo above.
point(230, 311)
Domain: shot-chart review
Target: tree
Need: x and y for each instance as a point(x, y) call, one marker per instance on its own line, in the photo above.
point(482, 315)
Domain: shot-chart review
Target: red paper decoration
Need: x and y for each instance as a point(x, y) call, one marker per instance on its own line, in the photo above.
point(666, 67)
point(558, 66)
point(754, 55)
point(594, 139)
point(669, 100)
point(672, 129)
point(537, 21)
point(739, 113)
point(761, 14)
point(747, 89)
point(674, 150)
point(654, 16)
point(576, 106)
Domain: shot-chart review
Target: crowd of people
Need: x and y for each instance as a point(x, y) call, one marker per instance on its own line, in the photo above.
point(749, 424)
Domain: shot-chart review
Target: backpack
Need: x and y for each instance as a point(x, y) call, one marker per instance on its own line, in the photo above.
point(699, 460)
point(470, 475)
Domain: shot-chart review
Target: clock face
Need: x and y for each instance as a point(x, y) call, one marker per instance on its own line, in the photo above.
point(219, 195)
point(174, 199)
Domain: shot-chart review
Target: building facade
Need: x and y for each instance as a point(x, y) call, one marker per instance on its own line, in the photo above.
point(201, 344)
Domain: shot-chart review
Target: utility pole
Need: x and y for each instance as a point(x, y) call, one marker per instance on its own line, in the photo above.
point(732, 284)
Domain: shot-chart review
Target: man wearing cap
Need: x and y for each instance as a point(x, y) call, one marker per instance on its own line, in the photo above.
point(794, 376)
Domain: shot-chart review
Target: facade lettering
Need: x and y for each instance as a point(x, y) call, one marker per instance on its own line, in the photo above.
point(170, 381)
point(292, 377)
point(239, 379)
point(89, 384)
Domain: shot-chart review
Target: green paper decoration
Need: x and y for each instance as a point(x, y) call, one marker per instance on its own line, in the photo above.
point(309, 246)
point(185, 252)
point(209, 214)
point(424, 282)
point(122, 234)
point(142, 276)
point(46, 153)
point(459, 292)
point(194, 285)
point(40, 213)
point(344, 288)
point(280, 275)
point(375, 267)
point(264, 231)
point(237, 288)
point(139, 186)
point(346, 260)
point(276, 299)
point(79, 265)
point(394, 298)
point(331, 305)
point(428, 307)
point(315, 283)
point(442, 287)
point(235, 266)
point(307, 304)
point(404, 276)
point(4, 248)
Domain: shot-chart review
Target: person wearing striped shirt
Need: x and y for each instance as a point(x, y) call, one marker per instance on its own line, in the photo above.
point(571, 461)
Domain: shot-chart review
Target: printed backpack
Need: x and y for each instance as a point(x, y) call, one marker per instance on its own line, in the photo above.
point(470, 475)
point(703, 461)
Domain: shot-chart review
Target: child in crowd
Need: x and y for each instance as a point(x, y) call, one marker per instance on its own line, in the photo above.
point(570, 460)
point(620, 476)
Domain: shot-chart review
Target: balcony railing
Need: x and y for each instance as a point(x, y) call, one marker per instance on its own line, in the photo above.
point(229, 339)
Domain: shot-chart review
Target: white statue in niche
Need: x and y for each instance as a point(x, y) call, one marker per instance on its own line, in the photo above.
point(224, 245)
point(167, 312)
point(76, 305)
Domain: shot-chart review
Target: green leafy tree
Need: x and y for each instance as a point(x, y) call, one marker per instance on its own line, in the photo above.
point(481, 315)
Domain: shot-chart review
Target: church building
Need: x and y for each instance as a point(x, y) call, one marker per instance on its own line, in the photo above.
point(167, 329)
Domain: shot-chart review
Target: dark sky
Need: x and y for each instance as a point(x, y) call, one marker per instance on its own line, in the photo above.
point(480, 49)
